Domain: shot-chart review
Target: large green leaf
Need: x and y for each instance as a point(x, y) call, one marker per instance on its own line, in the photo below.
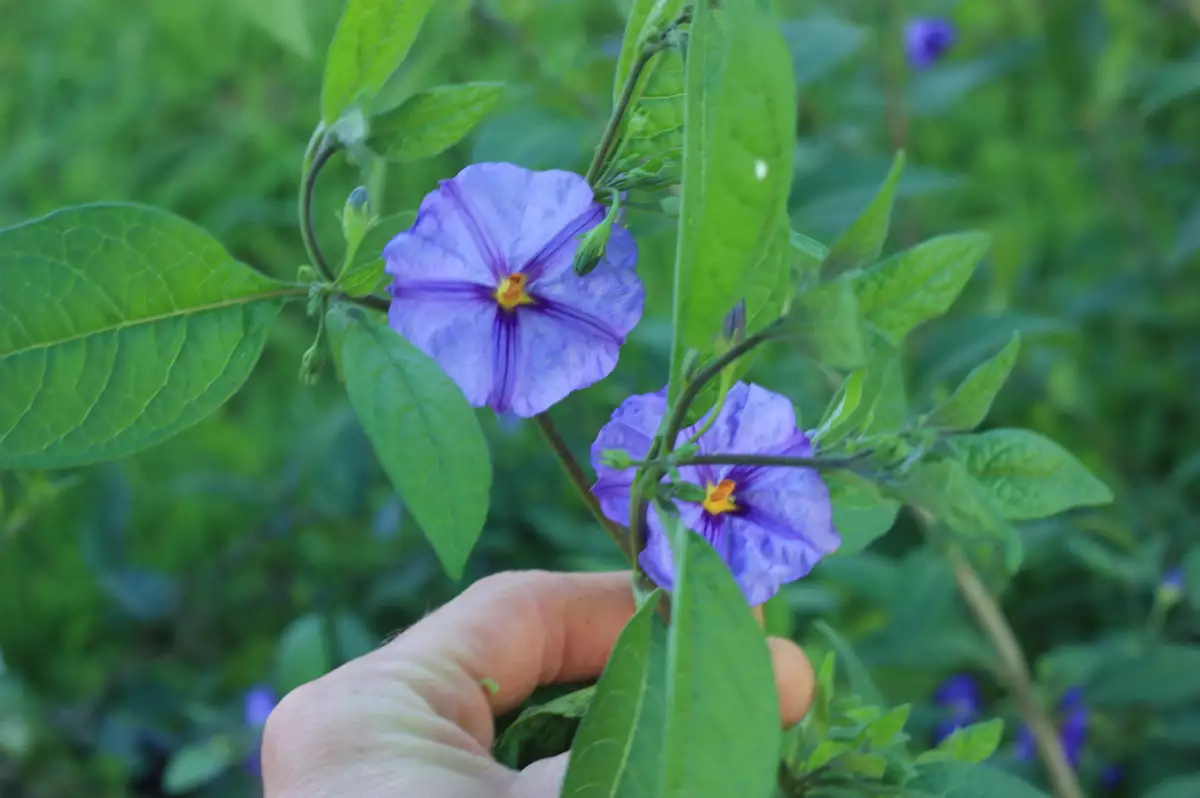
point(969, 780)
point(723, 723)
point(739, 119)
point(918, 284)
point(826, 322)
point(432, 121)
point(968, 406)
point(422, 428)
point(1027, 475)
point(862, 242)
point(1176, 787)
point(371, 41)
point(1166, 676)
point(120, 326)
point(543, 730)
point(973, 743)
point(617, 750)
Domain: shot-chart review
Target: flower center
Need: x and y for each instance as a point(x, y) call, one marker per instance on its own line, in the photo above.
point(512, 292)
point(720, 497)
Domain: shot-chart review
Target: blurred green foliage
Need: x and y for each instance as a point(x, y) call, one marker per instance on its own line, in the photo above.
point(140, 600)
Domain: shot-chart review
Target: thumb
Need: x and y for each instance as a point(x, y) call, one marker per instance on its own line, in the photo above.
point(542, 779)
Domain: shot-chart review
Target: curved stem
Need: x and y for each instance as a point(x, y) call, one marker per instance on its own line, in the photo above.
point(579, 479)
point(609, 138)
point(1015, 672)
point(320, 150)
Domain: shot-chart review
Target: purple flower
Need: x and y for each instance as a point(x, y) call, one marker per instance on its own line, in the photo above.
point(1026, 748)
point(1173, 579)
point(927, 40)
point(770, 524)
point(257, 705)
point(485, 286)
point(960, 695)
point(1112, 776)
point(1074, 730)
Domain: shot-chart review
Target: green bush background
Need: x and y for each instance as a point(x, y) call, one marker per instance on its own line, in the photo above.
point(140, 599)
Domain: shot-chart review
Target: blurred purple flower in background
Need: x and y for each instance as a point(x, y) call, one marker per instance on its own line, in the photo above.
point(927, 40)
point(1173, 579)
point(1072, 732)
point(770, 524)
point(484, 285)
point(257, 705)
point(959, 694)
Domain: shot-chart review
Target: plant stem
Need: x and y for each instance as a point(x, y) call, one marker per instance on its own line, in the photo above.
point(1015, 672)
point(818, 463)
point(370, 301)
point(320, 150)
point(580, 481)
point(609, 138)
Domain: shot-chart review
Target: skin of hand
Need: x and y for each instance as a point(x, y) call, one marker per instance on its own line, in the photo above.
point(412, 718)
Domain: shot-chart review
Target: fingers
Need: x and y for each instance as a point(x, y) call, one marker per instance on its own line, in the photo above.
point(794, 678)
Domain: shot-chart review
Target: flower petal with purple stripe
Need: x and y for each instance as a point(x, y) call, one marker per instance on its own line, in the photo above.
point(484, 285)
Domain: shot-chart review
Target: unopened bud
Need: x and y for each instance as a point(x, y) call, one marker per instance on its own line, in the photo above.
point(734, 330)
point(356, 219)
point(312, 364)
point(306, 274)
point(595, 242)
point(616, 458)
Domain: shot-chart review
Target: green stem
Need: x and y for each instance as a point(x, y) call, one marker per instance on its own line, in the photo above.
point(320, 150)
point(609, 138)
point(369, 302)
point(1015, 672)
point(580, 481)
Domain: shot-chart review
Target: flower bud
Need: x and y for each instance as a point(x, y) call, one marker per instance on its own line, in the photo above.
point(616, 458)
point(312, 364)
point(356, 218)
point(734, 329)
point(595, 241)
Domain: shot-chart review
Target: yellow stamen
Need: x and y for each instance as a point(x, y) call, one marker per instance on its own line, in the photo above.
point(720, 497)
point(512, 292)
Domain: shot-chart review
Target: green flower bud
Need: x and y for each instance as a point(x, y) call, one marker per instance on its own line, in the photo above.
point(312, 364)
point(595, 242)
point(356, 220)
point(616, 458)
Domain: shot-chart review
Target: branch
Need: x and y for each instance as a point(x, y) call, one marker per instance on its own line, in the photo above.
point(1015, 672)
point(818, 463)
point(579, 479)
point(320, 150)
point(604, 149)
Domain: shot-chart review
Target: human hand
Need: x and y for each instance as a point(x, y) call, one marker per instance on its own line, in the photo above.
point(412, 719)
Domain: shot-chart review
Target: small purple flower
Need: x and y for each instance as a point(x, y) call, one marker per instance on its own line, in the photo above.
point(484, 285)
point(1026, 748)
point(960, 695)
point(1112, 776)
point(1173, 580)
point(927, 40)
point(1074, 730)
point(257, 705)
point(770, 524)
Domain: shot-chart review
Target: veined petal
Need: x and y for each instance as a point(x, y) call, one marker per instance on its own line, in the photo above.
point(442, 245)
point(632, 428)
point(456, 330)
point(753, 420)
point(763, 562)
point(506, 347)
point(554, 201)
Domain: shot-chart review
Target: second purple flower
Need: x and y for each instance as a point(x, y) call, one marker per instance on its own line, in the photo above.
point(484, 285)
point(771, 524)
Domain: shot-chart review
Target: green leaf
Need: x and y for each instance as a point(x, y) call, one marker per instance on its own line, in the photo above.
point(432, 121)
point(739, 116)
point(422, 428)
point(1027, 475)
point(918, 284)
point(821, 42)
point(974, 743)
point(364, 278)
point(870, 400)
point(617, 750)
point(856, 672)
point(120, 326)
point(827, 323)
point(972, 399)
point(548, 726)
point(968, 780)
point(1165, 676)
point(888, 729)
point(944, 491)
point(1177, 787)
point(860, 512)
point(862, 242)
point(808, 253)
point(283, 20)
point(370, 43)
point(645, 17)
point(193, 766)
point(722, 724)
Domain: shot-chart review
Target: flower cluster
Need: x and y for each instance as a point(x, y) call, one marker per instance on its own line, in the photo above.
point(488, 282)
point(1072, 732)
